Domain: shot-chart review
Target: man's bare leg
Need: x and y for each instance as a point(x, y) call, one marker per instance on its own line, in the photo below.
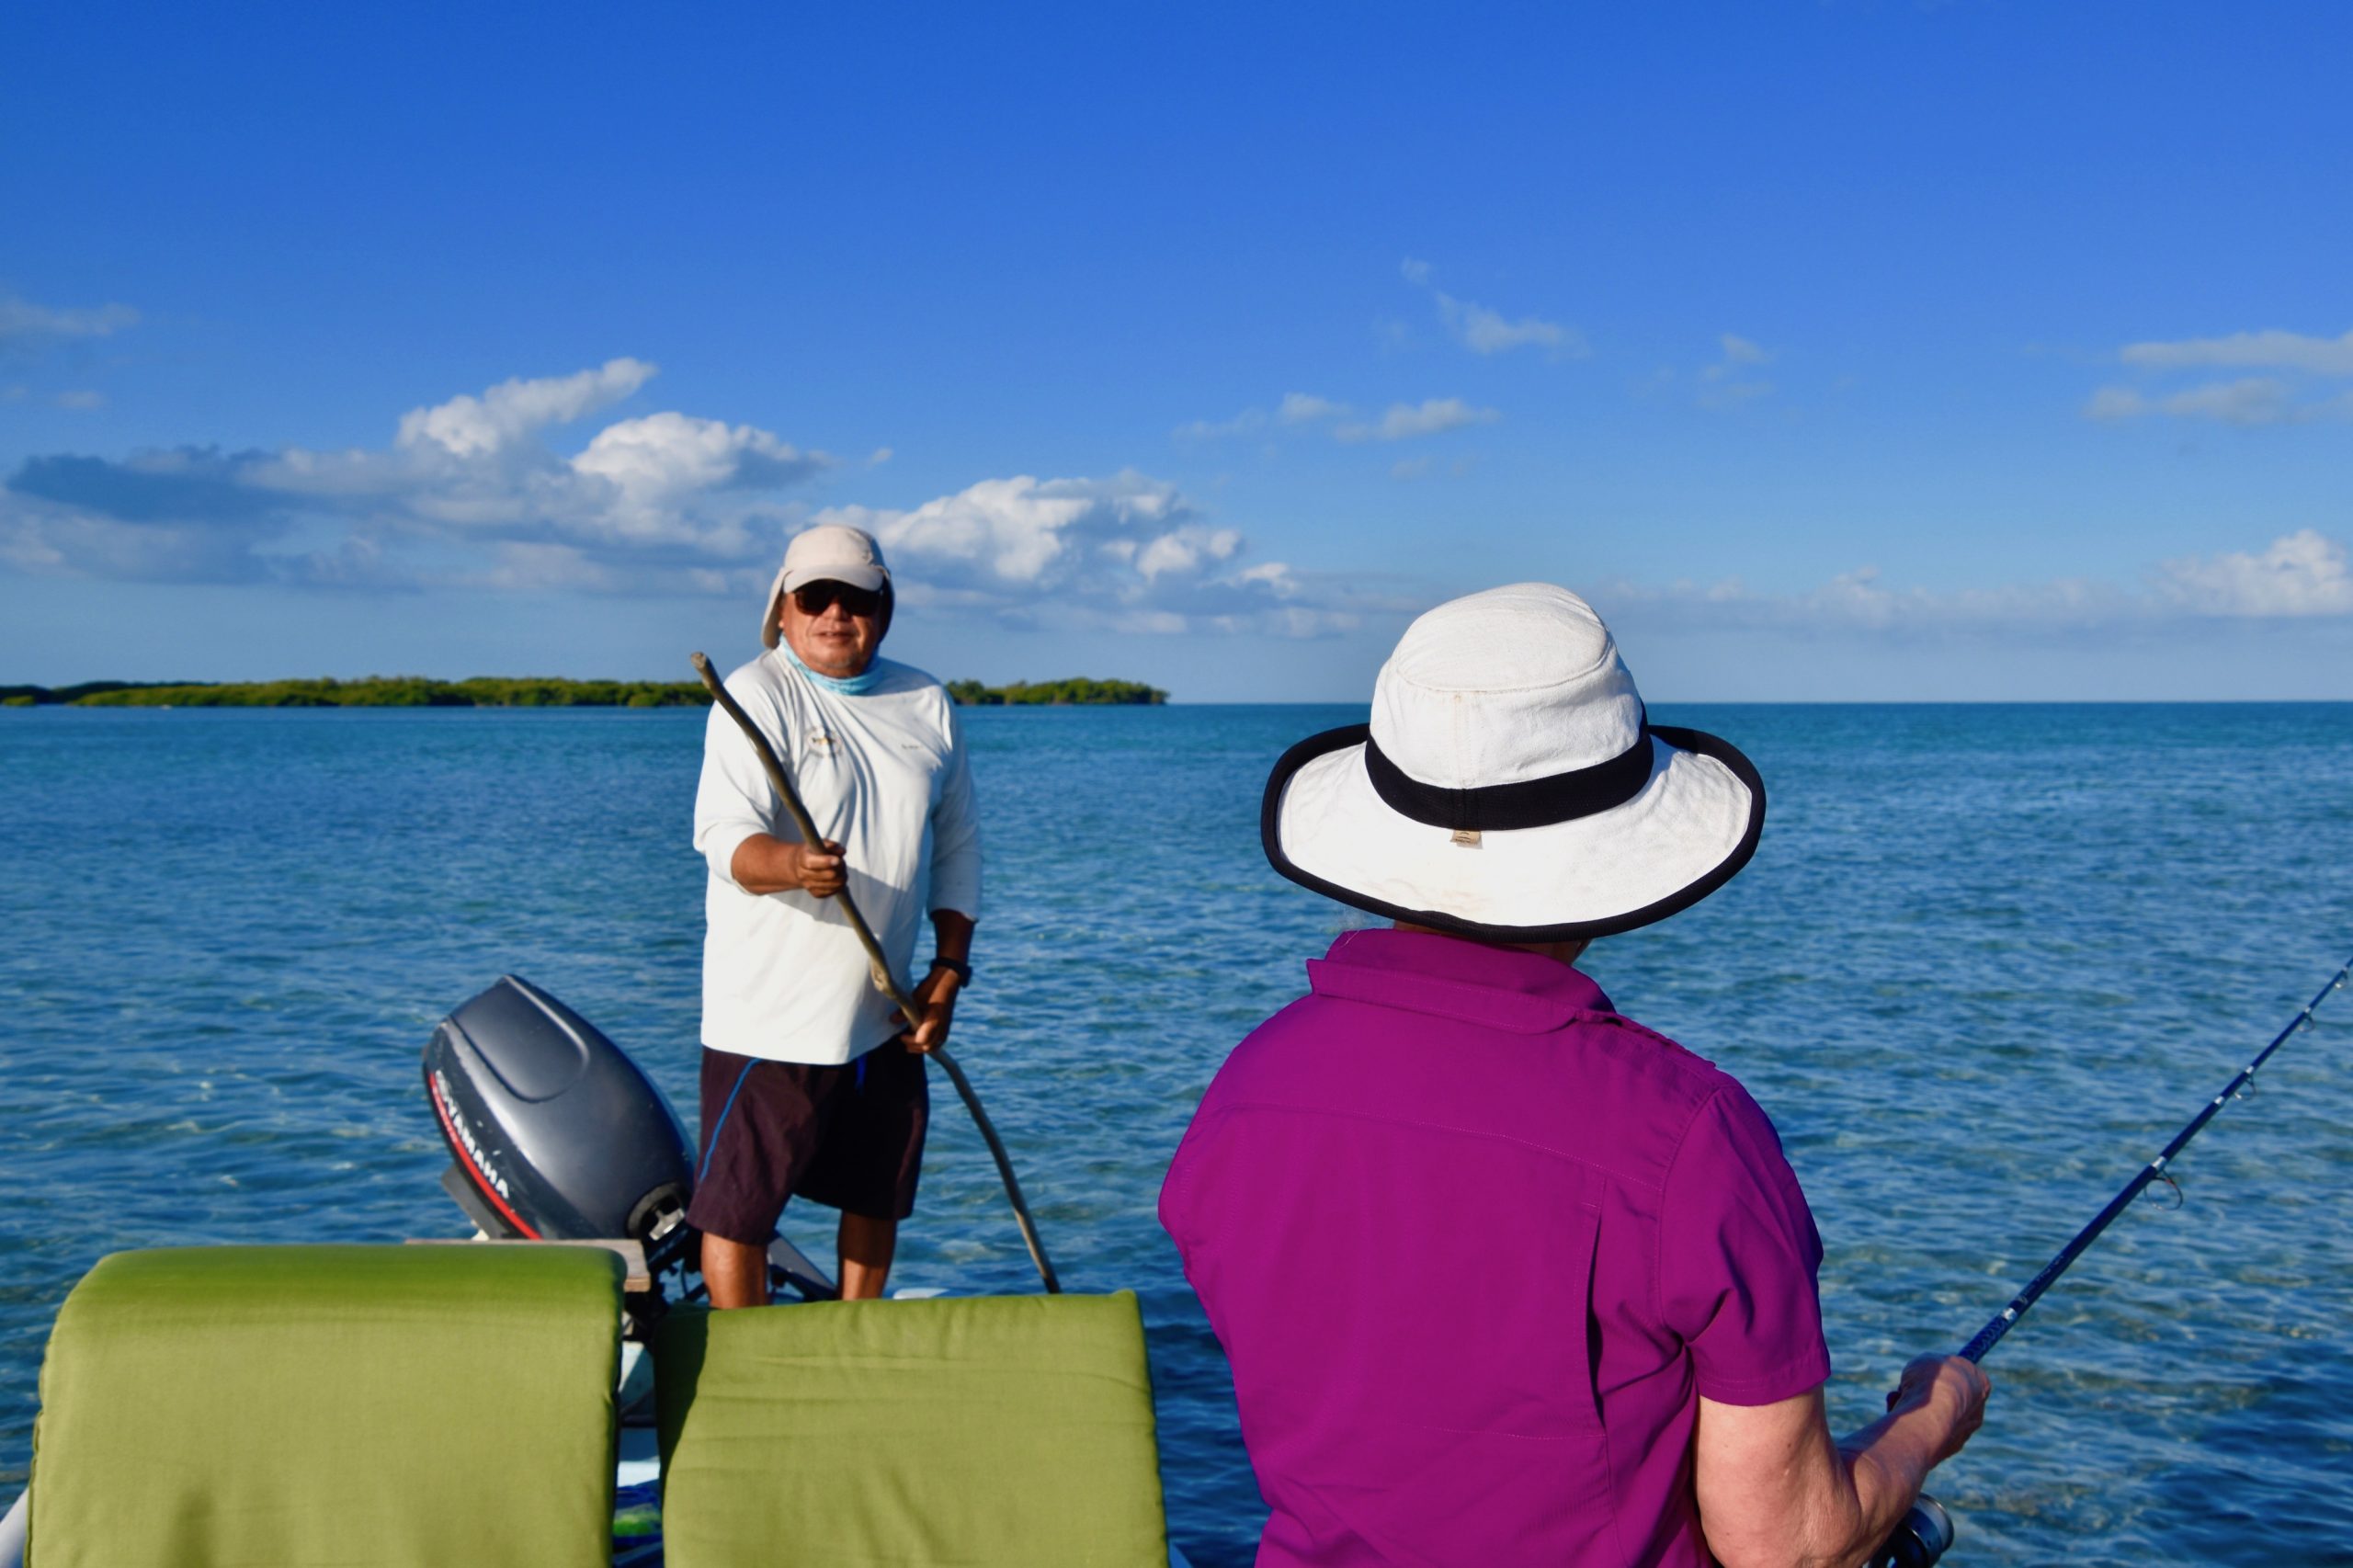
point(737, 1272)
point(866, 1244)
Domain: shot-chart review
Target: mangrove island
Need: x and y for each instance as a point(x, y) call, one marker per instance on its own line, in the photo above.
point(514, 691)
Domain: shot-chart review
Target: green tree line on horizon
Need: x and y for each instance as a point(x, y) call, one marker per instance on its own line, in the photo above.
point(1077, 689)
point(378, 691)
point(507, 691)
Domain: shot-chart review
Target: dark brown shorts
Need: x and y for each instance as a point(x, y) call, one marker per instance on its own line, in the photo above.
point(850, 1137)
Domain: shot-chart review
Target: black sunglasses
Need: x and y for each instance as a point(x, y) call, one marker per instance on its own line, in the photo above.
point(817, 598)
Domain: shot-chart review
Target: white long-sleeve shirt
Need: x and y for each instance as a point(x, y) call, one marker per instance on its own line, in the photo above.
point(884, 775)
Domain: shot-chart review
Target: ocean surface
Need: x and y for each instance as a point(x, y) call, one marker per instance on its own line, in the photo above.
point(1986, 961)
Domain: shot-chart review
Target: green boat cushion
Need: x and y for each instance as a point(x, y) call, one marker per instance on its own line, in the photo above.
point(358, 1407)
point(997, 1430)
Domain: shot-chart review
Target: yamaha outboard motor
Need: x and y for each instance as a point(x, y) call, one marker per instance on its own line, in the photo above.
point(552, 1133)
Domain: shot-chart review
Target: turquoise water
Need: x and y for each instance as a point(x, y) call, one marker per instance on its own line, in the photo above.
point(1987, 960)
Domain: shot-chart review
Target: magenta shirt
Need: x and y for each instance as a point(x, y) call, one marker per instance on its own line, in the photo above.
point(1474, 1245)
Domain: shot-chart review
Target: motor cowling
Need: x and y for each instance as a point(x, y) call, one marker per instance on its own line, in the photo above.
point(554, 1132)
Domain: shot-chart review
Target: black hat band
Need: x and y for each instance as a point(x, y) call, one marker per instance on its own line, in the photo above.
point(1531, 802)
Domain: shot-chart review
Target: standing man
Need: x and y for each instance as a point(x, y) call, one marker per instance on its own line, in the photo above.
point(810, 1083)
point(1505, 1277)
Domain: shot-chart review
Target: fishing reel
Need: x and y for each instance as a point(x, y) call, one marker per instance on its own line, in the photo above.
point(1924, 1535)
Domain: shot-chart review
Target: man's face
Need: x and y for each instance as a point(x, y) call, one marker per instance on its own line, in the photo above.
point(819, 624)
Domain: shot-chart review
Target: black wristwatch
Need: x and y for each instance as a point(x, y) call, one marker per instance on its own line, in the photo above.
point(962, 971)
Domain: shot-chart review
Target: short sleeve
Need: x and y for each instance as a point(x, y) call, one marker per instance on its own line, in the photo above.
point(1738, 1255)
point(734, 799)
point(956, 829)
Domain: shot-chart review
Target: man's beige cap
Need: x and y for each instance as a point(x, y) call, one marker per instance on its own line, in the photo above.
point(834, 553)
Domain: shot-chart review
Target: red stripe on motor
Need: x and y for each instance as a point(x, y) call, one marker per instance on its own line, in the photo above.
point(482, 1182)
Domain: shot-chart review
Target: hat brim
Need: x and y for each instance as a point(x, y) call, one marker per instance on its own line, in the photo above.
point(1684, 833)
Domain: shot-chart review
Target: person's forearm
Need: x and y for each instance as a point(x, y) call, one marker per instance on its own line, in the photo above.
point(1839, 1503)
point(1833, 1506)
point(935, 991)
point(952, 935)
point(1776, 1491)
point(1886, 1463)
point(765, 863)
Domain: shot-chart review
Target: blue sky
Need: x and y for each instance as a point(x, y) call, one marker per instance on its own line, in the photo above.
point(1835, 351)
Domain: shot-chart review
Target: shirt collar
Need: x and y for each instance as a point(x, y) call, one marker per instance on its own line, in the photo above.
point(1420, 971)
point(858, 685)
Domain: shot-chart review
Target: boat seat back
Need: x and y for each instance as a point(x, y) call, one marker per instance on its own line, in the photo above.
point(364, 1406)
point(993, 1431)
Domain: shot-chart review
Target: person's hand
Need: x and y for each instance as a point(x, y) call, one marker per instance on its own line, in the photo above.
point(1952, 1385)
point(937, 996)
point(818, 870)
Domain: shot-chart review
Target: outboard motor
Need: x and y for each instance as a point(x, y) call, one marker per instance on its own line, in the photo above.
point(553, 1133)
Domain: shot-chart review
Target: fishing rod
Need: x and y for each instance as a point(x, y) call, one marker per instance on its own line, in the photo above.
point(1928, 1531)
point(884, 981)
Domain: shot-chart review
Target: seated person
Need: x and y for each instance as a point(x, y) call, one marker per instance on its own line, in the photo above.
point(1505, 1276)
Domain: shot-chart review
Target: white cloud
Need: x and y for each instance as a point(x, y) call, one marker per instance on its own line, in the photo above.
point(1405, 420)
point(654, 504)
point(539, 568)
point(2300, 575)
point(663, 459)
point(1248, 422)
point(1859, 600)
point(470, 494)
point(1303, 408)
point(21, 320)
point(2249, 350)
point(513, 410)
point(1729, 381)
point(81, 400)
point(1126, 553)
point(1739, 350)
point(1186, 549)
point(2112, 403)
point(2255, 400)
point(1485, 331)
point(1402, 420)
point(47, 540)
point(2303, 573)
point(1296, 408)
point(2295, 359)
point(1024, 533)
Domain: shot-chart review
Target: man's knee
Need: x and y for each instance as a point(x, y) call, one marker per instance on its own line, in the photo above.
point(736, 1272)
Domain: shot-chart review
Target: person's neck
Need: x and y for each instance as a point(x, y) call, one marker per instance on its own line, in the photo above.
point(1566, 952)
point(853, 684)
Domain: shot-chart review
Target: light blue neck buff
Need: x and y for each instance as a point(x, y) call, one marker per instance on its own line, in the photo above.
point(858, 685)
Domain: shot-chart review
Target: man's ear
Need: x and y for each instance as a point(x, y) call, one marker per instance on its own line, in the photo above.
point(890, 603)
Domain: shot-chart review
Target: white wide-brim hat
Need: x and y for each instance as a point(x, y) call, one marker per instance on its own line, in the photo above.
point(829, 552)
point(1510, 785)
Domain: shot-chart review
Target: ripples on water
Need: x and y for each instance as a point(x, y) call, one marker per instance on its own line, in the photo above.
point(1986, 961)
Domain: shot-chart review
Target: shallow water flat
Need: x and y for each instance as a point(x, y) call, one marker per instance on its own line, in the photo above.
point(1986, 961)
